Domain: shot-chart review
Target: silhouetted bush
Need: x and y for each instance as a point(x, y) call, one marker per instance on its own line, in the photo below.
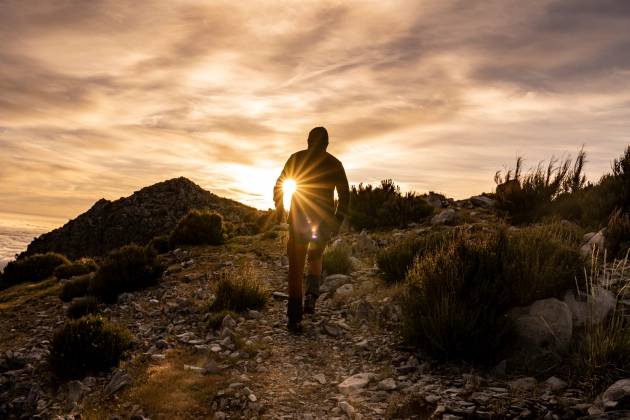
point(385, 206)
point(457, 296)
point(618, 234)
point(198, 228)
point(337, 259)
point(126, 269)
point(76, 268)
point(239, 290)
point(82, 306)
point(87, 345)
point(33, 268)
point(395, 260)
point(160, 244)
point(76, 287)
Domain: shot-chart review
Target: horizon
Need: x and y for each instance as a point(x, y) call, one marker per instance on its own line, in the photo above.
point(102, 99)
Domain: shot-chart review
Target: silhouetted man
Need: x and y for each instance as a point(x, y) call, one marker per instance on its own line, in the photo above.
point(313, 218)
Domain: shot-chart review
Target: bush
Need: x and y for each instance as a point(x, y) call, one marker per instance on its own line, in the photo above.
point(76, 268)
point(198, 228)
point(239, 290)
point(126, 269)
point(33, 268)
point(385, 206)
point(74, 288)
point(618, 234)
point(457, 296)
point(337, 259)
point(82, 306)
point(159, 245)
point(395, 260)
point(87, 345)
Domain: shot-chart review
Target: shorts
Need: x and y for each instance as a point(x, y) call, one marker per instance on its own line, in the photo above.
point(304, 232)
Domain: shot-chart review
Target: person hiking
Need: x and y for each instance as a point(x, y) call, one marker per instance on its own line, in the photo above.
point(314, 174)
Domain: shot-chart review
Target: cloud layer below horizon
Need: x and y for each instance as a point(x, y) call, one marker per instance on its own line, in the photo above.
point(103, 97)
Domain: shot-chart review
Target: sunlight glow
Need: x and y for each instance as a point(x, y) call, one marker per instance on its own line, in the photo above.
point(288, 188)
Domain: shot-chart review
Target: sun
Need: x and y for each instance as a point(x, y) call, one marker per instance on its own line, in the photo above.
point(288, 188)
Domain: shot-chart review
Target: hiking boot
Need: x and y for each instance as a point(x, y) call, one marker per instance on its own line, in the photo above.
point(294, 314)
point(309, 303)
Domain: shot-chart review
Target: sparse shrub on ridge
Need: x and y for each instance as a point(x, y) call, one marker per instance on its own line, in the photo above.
point(126, 269)
point(75, 268)
point(385, 206)
point(160, 244)
point(34, 268)
point(238, 290)
point(82, 306)
point(198, 228)
point(618, 234)
point(87, 345)
point(75, 287)
point(336, 259)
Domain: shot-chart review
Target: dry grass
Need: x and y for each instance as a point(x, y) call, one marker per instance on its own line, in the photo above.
point(23, 293)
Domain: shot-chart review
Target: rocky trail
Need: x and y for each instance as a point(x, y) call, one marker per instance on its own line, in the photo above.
point(348, 363)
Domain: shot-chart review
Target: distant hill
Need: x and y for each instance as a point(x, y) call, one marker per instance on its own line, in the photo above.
point(147, 213)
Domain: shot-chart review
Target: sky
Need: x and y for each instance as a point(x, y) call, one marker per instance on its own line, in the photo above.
point(100, 98)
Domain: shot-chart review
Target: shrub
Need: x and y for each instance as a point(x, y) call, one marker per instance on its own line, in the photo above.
point(618, 234)
point(87, 345)
point(337, 259)
point(395, 260)
point(82, 306)
point(198, 228)
point(33, 268)
point(126, 269)
point(159, 245)
point(74, 288)
point(76, 268)
point(385, 206)
point(239, 290)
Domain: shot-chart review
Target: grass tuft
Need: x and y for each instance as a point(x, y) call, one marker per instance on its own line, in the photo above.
point(239, 289)
point(336, 259)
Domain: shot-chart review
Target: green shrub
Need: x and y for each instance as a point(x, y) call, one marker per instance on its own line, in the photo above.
point(33, 268)
point(395, 260)
point(618, 234)
point(160, 244)
point(216, 319)
point(74, 288)
point(239, 290)
point(385, 206)
point(82, 306)
point(87, 345)
point(76, 268)
point(336, 259)
point(198, 228)
point(126, 269)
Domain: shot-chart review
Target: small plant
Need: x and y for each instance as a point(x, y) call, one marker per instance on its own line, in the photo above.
point(198, 228)
point(216, 319)
point(33, 268)
point(126, 269)
point(239, 290)
point(618, 234)
point(82, 306)
point(87, 345)
point(76, 268)
point(159, 245)
point(75, 287)
point(337, 259)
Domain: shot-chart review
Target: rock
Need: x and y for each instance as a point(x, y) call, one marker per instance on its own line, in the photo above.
point(616, 396)
point(355, 383)
point(364, 244)
point(595, 241)
point(555, 384)
point(347, 409)
point(252, 314)
point(332, 330)
point(523, 384)
point(445, 217)
point(500, 369)
point(228, 322)
point(320, 378)
point(211, 368)
point(543, 334)
point(280, 295)
point(332, 282)
point(196, 369)
point(594, 309)
point(76, 390)
point(345, 290)
point(118, 381)
point(220, 415)
point(483, 201)
point(388, 384)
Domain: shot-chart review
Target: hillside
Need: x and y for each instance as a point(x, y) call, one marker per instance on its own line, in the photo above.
point(149, 212)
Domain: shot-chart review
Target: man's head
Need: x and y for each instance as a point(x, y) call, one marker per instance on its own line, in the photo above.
point(318, 139)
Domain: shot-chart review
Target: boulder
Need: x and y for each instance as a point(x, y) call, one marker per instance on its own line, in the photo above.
point(445, 217)
point(483, 201)
point(355, 383)
point(593, 240)
point(332, 282)
point(593, 308)
point(364, 244)
point(616, 397)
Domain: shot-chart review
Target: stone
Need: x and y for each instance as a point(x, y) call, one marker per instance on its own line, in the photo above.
point(523, 384)
point(388, 384)
point(220, 415)
point(616, 396)
point(595, 241)
point(280, 295)
point(332, 330)
point(118, 381)
point(483, 201)
point(252, 314)
point(196, 369)
point(555, 384)
point(355, 383)
point(364, 244)
point(76, 390)
point(211, 368)
point(445, 217)
point(347, 409)
point(228, 322)
point(593, 308)
point(332, 282)
point(320, 378)
point(345, 290)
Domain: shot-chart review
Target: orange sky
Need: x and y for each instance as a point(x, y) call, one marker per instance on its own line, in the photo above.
point(100, 98)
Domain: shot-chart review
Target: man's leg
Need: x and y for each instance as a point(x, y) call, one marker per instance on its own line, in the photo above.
point(296, 251)
point(313, 278)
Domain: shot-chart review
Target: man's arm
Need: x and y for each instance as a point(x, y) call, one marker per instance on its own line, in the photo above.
point(343, 194)
point(277, 189)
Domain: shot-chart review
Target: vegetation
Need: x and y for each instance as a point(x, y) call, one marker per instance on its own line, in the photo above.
point(239, 290)
point(618, 234)
point(77, 268)
point(385, 206)
point(126, 269)
point(74, 288)
point(198, 228)
point(87, 345)
point(159, 244)
point(337, 259)
point(456, 297)
point(33, 268)
point(82, 306)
